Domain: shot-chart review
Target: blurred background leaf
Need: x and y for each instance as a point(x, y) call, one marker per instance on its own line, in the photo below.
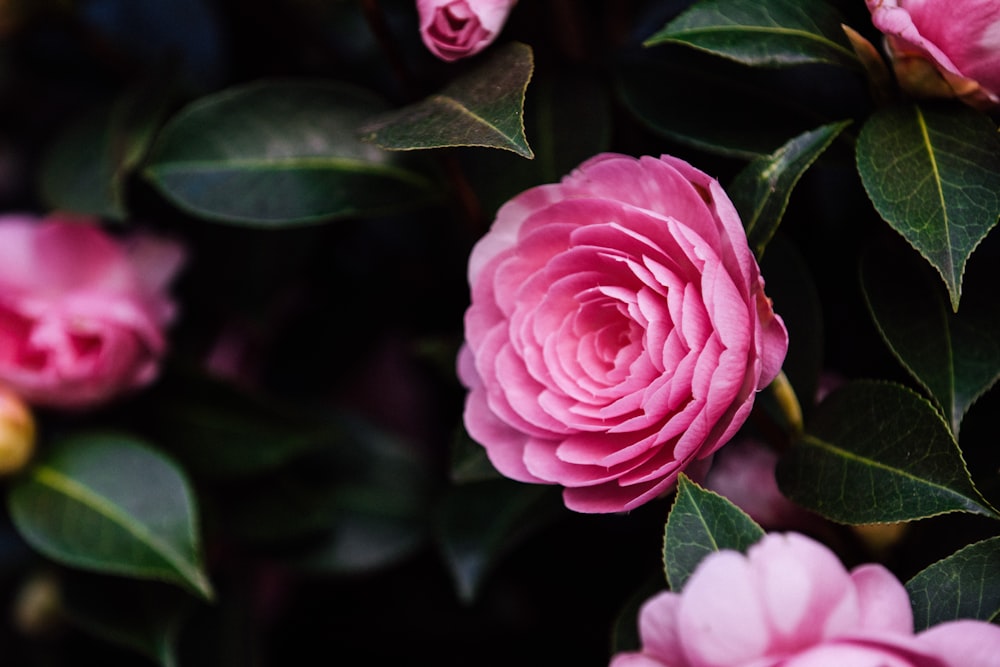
point(110, 503)
point(275, 153)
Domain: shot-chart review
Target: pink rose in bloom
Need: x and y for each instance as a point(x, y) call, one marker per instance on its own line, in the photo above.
point(454, 29)
point(944, 48)
point(618, 331)
point(81, 313)
point(790, 603)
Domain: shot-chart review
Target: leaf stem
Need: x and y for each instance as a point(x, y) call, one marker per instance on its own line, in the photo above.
point(788, 403)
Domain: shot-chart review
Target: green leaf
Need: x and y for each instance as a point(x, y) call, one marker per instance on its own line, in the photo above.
point(109, 503)
point(145, 617)
point(86, 169)
point(761, 190)
point(963, 585)
point(702, 522)
point(775, 33)
point(477, 523)
point(276, 153)
point(955, 356)
point(567, 117)
point(876, 452)
point(482, 108)
point(933, 173)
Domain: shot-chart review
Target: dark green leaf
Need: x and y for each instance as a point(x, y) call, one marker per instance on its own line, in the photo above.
point(482, 108)
point(933, 173)
point(567, 119)
point(478, 523)
point(275, 153)
point(763, 32)
point(110, 503)
point(86, 168)
point(955, 356)
point(877, 452)
point(963, 585)
point(140, 616)
point(702, 522)
point(761, 190)
point(724, 107)
point(358, 504)
point(790, 284)
point(219, 430)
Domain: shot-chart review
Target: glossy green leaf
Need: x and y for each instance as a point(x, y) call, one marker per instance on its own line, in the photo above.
point(933, 173)
point(876, 452)
point(110, 503)
point(963, 585)
point(478, 523)
point(567, 119)
point(86, 169)
point(762, 189)
point(763, 32)
point(955, 356)
point(274, 153)
point(484, 108)
point(702, 522)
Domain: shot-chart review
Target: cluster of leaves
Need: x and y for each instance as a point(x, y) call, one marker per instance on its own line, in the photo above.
point(329, 202)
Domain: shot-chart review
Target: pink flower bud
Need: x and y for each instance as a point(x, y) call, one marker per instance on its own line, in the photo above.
point(455, 29)
point(943, 48)
point(17, 432)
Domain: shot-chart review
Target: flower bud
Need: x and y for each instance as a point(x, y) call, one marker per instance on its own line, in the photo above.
point(17, 432)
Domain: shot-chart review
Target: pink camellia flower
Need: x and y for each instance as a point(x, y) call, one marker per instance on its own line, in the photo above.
point(790, 603)
point(944, 48)
point(618, 331)
point(81, 313)
point(454, 29)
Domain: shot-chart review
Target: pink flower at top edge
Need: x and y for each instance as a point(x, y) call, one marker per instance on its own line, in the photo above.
point(944, 48)
point(790, 602)
point(82, 313)
point(618, 331)
point(455, 29)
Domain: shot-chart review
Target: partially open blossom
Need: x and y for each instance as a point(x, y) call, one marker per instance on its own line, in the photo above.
point(81, 313)
point(789, 602)
point(943, 48)
point(618, 331)
point(454, 29)
point(17, 432)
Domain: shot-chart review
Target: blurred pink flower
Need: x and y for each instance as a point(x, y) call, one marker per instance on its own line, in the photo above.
point(618, 331)
point(790, 603)
point(81, 313)
point(943, 48)
point(455, 29)
point(743, 472)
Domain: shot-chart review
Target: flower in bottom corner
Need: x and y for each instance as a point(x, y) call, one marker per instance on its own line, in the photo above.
point(618, 331)
point(82, 313)
point(789, 602)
